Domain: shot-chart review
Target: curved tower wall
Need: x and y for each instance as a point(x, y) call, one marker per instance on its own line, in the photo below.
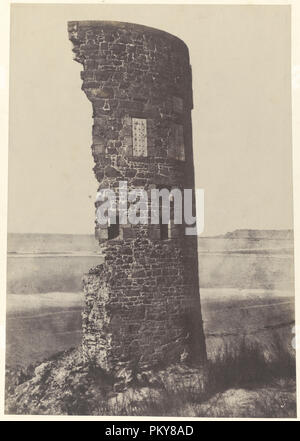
point(142, 305)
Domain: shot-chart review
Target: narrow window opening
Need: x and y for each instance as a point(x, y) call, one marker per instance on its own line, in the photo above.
point(164, 228)
point(113, 229)
point(164, 231)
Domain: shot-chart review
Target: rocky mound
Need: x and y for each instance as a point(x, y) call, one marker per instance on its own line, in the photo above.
point(236, 387)
point(66, 385)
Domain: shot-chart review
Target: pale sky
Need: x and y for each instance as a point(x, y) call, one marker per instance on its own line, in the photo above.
point(240, 57)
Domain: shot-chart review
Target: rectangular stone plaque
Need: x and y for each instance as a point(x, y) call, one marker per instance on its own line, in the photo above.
point(139, 136)
point(176, 146)
point(177, 104)
point(179, 142)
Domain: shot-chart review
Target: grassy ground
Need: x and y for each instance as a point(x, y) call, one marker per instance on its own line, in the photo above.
point(240, 382)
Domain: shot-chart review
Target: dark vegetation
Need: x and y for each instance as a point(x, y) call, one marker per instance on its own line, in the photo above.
point(244, 380)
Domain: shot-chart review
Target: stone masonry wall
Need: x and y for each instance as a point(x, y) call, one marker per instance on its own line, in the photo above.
point(142, 304)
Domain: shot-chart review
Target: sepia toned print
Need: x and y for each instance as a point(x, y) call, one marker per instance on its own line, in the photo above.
point(143, 318)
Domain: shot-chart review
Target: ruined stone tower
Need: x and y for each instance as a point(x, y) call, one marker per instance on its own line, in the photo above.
point(142, 305)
